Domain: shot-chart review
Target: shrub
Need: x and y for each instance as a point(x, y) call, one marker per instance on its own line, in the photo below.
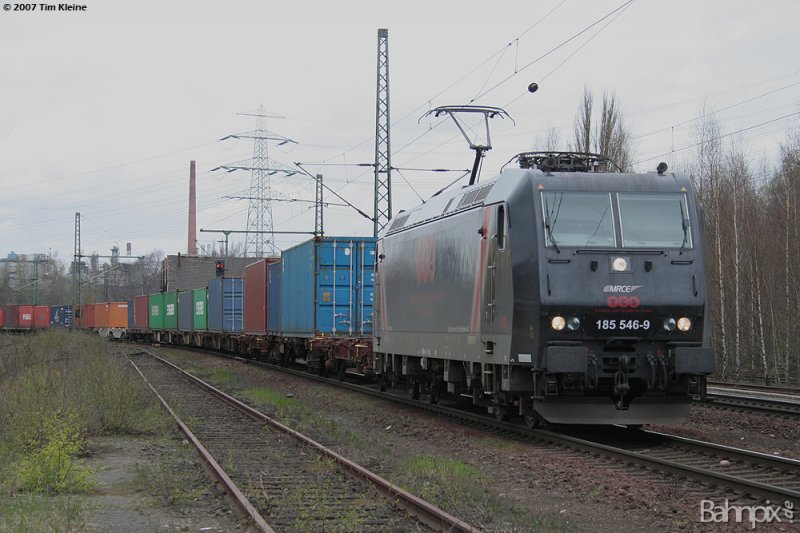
point(50, 461)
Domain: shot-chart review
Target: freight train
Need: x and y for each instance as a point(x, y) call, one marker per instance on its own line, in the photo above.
point(556, 292)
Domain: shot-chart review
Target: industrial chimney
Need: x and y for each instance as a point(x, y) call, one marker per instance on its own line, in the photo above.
point(192, 248)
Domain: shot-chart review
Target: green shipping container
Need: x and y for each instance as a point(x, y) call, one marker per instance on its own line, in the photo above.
point(156, 312)
point(200, 309)
point(171, 310)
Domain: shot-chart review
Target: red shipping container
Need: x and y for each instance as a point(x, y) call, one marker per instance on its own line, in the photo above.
point(12, 316)
point(87, 316)
point(2, 317)
point(256, 296)
point(141, 311)
point(25, 316)
point(41, 316)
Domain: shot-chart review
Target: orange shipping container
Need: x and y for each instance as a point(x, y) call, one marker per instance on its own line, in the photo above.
point(101, 315)
point(117, 314)
point(87, 316)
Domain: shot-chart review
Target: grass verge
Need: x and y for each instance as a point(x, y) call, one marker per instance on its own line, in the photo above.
point(58, 390)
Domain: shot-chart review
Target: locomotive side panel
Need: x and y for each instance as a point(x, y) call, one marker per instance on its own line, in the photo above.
point(428, 289)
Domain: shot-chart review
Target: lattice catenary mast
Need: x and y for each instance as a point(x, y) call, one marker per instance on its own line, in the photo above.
point(383, 160)
point(259, 238)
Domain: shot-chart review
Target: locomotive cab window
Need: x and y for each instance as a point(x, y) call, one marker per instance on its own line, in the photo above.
point(578, 219)
point(656, 220)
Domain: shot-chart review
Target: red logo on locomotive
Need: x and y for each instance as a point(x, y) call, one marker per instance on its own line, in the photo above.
point(623, 302)
point(426, 260)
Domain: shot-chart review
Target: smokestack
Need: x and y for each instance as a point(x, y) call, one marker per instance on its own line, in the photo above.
point(128, 248)
point(192, 248)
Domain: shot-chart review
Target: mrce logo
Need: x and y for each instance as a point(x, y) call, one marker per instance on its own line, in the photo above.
point(621, 289)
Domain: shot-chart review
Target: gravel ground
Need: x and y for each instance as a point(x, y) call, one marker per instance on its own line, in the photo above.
point(153, 485)
point(768, 434)
point(538, 487)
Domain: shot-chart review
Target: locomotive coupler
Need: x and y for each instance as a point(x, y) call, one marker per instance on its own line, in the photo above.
point(621, 385)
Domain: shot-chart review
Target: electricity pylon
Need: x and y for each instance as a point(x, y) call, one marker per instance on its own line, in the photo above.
point(259, 238)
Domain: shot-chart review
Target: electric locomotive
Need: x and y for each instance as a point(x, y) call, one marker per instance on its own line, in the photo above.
point(557, 291)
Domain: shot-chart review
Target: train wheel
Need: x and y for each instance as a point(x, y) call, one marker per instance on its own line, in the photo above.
point(382, 383)
point(433, 397)
point(533, 421)
point(340, 370)
point(501, 408)
point(413, 391)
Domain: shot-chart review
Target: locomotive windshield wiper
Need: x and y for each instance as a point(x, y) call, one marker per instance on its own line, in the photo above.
point(685, 224)
point(552, 239)
point(548, 225)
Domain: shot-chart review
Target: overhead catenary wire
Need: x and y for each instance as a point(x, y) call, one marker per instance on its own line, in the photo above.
point(719, 137)
point(459, 80)
point(557, 47)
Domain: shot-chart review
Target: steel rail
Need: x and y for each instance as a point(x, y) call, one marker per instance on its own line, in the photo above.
point(235, 494)
point(763, 405)
point(427, 513)
point(754, 387)
point(747, 486)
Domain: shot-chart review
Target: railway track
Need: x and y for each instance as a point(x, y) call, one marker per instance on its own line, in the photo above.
point(771, 401)
point(712, 470)
point(777, 389)
point(758, 475)
point(735, 400)
point(280, 478)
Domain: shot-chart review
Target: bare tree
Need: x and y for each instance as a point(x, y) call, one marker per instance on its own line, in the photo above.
point(708, 174)
point(583, 123)
point(610, 137)
point(549, 141)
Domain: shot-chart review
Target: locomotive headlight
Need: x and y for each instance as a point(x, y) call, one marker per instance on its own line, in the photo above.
point(558, 323)
point(573, 323)
point(619, 264)
point(669, 324)
point(684, 324)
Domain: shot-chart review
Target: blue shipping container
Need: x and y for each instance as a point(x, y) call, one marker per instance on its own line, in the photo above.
point(327, 287)
point(131, 322)
point(226, 304)
point(274, 274)
point(61, 316)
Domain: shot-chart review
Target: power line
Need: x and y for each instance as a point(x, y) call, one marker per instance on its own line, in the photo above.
point(693, 145)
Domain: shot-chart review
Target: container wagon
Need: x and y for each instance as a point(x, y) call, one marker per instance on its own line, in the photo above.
point(326, 296)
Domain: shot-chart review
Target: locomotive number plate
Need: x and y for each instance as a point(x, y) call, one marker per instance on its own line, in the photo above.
point(623, 325)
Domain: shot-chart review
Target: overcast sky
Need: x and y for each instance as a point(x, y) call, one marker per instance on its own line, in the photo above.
point(101, 110)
